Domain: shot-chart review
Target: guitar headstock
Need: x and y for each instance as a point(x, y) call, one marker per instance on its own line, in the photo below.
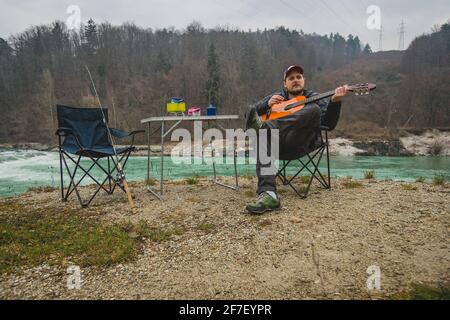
point(362, 88)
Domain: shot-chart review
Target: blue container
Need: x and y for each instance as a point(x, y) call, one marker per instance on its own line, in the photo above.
point(211, 110)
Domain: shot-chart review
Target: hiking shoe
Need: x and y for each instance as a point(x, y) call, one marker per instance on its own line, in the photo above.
point(264, 203)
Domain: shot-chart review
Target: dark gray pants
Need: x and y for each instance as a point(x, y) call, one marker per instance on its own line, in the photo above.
point(297, 134)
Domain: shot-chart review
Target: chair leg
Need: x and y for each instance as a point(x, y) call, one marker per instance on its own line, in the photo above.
point(281, 174)
point(328, 160)
point(314, 160)
point(61, 175)
point(109, 177)
point(72, 182)
point(73, 186)
point(86, 172)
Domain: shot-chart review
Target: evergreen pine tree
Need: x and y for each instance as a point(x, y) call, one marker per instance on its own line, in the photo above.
point(367, 49)
point(90, 34)
point(212, 84)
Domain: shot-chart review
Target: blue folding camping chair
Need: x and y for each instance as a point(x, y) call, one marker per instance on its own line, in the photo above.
point(82, 134)
point(309, 162)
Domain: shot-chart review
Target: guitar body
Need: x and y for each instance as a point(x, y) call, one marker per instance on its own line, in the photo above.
point(279, 110)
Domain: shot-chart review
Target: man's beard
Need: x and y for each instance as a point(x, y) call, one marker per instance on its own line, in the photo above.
point(296, 92)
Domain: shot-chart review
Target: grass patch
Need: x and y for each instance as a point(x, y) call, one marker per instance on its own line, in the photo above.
point(351, 184)
point(192, 180)
point(409, 187)
point(50, 237)
point(265, 223)
point(301, 179)
point(420, 179)
point(42, 189)
point(249, 193)
point(151, 182)
point(205, 226)
point(304, 179)
point(155, 234)
point(369, 174)
point(439, 180)
point(423, 292)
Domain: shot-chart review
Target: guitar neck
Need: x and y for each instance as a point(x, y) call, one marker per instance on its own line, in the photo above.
point(310, 99)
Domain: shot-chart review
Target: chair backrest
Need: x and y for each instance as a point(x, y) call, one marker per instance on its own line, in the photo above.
point(86, 123)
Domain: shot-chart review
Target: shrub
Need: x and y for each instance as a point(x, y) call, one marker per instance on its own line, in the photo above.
point(439, 180)
point(436, 148)
point(369, 174)
point(192, 180)
point(420, 179)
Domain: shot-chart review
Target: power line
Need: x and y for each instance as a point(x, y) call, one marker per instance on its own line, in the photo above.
point(401, 40)
point(348, 8)
point(303, 15)
point(232, 9)
point(352, 29)
point(380, 45)
point(253, 7)
point(365, 6)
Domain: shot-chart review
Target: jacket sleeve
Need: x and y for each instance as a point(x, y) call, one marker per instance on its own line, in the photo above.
point(330, 112)
point(331, 116)
point(262, 106)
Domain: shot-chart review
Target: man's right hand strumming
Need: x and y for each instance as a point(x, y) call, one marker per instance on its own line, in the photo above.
point(274, 100)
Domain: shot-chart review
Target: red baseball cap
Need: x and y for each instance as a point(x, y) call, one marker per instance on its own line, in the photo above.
point(292, 68)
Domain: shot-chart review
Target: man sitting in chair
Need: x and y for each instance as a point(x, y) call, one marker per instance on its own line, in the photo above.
point(297, 133)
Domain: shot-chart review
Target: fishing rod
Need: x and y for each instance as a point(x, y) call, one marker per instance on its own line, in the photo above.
point(121, 175)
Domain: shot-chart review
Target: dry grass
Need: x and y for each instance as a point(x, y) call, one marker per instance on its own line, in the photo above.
point(351, 184)
point(409, 187)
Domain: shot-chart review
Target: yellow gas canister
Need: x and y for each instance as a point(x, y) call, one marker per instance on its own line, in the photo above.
point(176, 105)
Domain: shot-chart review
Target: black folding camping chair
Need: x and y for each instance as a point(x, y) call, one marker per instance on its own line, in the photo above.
point(86, 137)
point(309, 162)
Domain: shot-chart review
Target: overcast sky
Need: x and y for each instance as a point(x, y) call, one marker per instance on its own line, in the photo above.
point(320, 16)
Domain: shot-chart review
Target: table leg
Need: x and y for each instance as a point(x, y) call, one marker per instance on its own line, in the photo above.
point(215, 180)
point(148, 164)
point(162, 159)
point(148, 154)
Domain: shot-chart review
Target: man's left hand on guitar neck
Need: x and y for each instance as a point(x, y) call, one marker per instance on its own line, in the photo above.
point(339, 93)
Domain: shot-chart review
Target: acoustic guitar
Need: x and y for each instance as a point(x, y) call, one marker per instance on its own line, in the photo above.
point(286, 108)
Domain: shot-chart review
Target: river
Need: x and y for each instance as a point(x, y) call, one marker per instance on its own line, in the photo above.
point(24, 169)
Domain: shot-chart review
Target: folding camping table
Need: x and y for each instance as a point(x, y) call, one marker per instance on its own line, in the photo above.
point(178, 120)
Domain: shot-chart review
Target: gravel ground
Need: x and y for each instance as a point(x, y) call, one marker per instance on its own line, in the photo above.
point(314, 248)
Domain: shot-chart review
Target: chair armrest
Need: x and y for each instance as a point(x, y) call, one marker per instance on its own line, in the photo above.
point(118, 133)
point(122, 134)
point(136, 131)
point(61, 131)
point(64, 132)
point(325, 128)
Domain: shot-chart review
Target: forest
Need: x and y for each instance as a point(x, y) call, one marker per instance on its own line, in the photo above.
point(137, 70)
